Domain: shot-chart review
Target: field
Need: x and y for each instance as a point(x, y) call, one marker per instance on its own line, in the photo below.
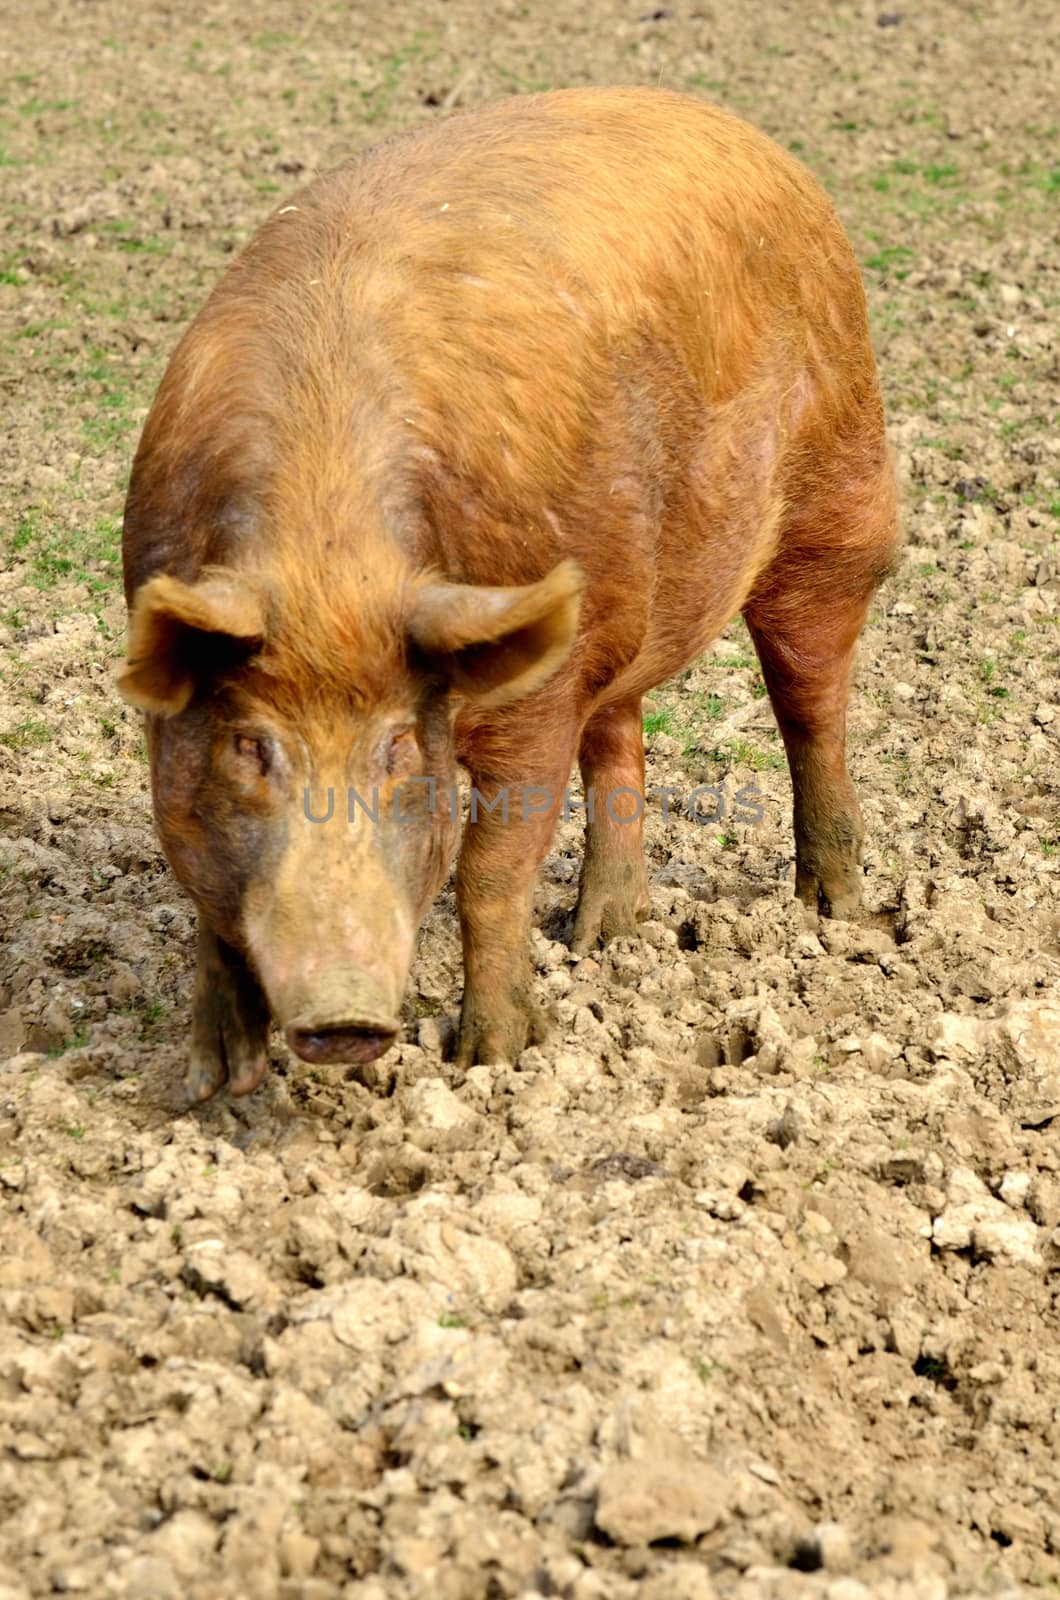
point(743, 1284)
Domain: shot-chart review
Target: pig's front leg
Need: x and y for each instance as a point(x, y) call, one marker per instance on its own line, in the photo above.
point(230, 1022)
point(613, 893)
point(495, 876)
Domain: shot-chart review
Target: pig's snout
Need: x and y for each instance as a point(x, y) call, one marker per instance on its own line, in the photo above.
point(335, 1015)
point(355, 1042)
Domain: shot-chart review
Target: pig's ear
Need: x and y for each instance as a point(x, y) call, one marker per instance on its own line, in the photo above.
point(181, 634)
point(496, 645)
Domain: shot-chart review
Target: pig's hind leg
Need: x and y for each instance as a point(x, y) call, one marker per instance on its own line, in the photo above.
point(230, 1022)
point(805, 617)
point(613, 892)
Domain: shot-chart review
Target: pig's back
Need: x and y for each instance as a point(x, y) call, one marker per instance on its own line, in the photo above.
point(610, 210)
point(495, 320)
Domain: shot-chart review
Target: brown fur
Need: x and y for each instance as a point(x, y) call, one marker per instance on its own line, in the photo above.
point(613, 327)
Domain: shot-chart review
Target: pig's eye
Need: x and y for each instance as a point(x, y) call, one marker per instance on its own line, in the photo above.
point(252, 752)
point(400, 753)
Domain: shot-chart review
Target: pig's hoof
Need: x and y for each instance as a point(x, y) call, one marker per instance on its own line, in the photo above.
point(842, 908)
point(204, 1077)
point(210, 1071)
point(249, 1076)
point(602, 917)
point(485, 1041)
point(840, 901)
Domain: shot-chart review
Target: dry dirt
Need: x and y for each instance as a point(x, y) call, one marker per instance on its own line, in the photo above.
point(746, 1283)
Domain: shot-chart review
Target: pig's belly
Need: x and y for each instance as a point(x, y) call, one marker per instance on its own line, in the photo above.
point(704, 579)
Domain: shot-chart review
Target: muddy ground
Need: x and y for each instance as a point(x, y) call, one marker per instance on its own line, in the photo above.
point(745, 1283)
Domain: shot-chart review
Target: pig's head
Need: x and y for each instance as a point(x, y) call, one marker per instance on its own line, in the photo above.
point(302, 759)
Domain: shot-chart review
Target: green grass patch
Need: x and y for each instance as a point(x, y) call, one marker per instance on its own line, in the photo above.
point(658, 722)
point(271, 40)
point(889, 261)
point(377, 100)
point(90, 555)
point(741, 753)
point(27, 735)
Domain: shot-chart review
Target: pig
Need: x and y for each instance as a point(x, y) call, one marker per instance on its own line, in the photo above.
point(484, 434)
